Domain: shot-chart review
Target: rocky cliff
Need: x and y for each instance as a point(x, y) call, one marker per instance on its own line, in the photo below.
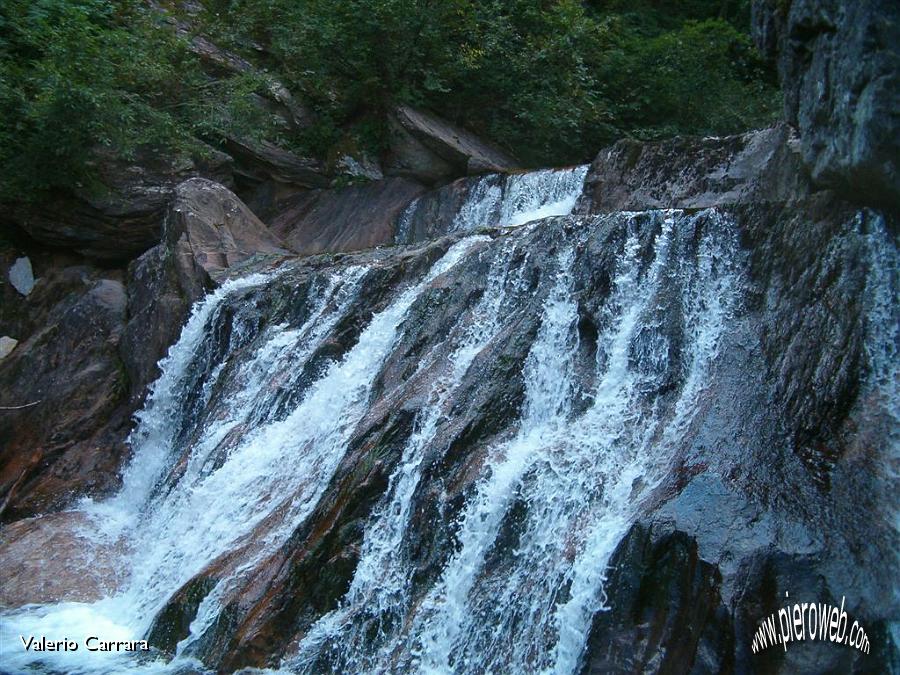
point(839, 64)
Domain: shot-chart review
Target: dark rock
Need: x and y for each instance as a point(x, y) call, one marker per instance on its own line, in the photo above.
point(208, 230)
point(430, 149)
point(68, 440)
point(124, 217)
point(839, 64)
point(664, 614)
point(261, 161)
point(759, 166)
point(344, 219)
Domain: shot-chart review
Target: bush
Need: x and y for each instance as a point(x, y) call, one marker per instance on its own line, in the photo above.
point(78, 76)
point(552, 80)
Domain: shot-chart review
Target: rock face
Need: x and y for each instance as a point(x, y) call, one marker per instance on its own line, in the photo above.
point(839, 63)
point(760, 487)
point(63, 434)
point(266, 161)
point(126, 218)
point(87, 349)
point(208, 230)
point(759, 166)
point(344, 219)
point(427, 148)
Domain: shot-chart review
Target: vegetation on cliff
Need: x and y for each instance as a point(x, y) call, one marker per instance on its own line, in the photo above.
point(550, 80)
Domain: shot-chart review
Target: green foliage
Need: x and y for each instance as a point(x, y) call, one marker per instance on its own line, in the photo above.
point(78, 77)
point(552, 80)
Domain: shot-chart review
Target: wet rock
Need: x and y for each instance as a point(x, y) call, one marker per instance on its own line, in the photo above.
point(432, 215)
point(741, 517)
point(839, 65)
point(158, 306)
point(21, 277)
point(687, 173)
point(344, 219)
point(427, 148)
point(63, 433)
point(55, 559)
point(664, 613)
point(122, 219)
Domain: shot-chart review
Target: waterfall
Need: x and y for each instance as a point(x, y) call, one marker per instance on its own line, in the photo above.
point(614, 326)
point(224, 489)
point(520, 198)
point(499, 200)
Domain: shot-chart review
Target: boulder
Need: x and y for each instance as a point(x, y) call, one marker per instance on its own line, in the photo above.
point(690, 172)
point(839, 64)
point(64, 421)
point(124, 218)
point(208, 230)
point(211, 230)
point(344, 219)
point(261, 161)
point(428, 148)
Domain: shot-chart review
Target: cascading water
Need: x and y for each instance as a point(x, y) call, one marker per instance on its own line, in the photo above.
point(614, 325)
point(568, 480)
point(499, 200)
point(520, 198)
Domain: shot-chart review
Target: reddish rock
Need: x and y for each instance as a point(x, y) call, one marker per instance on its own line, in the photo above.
point(54, 559)
point(63, 389)
point(344, 219)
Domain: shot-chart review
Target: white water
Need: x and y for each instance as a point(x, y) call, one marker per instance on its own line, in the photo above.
point(178, 525)
point(380, 590)
point(521, 198)
point(574, 475)
point(510, 200)
point(566, 482)
point(532, 541)
point(247, 475)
